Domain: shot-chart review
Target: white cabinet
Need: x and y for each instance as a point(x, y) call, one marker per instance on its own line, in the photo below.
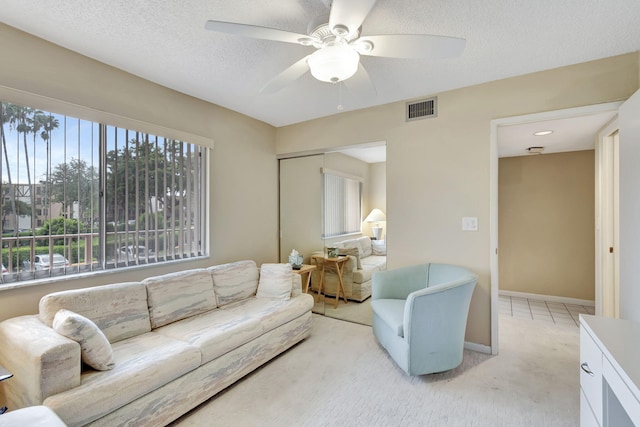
point(609, 372)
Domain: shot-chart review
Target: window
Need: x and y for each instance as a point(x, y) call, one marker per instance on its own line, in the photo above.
point(107, 197)
point(342, 203)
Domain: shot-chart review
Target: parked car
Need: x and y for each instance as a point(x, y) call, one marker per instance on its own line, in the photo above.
point(133, 253)
point(4, 269)
point(42, 262)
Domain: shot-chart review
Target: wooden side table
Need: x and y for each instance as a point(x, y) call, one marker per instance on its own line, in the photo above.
point(338, 263)
point(305, 269)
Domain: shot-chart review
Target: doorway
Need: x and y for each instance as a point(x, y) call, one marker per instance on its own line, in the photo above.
point(604, 111)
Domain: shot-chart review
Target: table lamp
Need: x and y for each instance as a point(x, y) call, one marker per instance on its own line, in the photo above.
point(376, 216)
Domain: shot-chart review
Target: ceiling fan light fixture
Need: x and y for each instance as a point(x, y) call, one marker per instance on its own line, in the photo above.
point(306, 41)
point(340, 30)
point(363, 46)
point(333, 64)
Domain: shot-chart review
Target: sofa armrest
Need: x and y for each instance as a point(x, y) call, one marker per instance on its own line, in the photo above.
point(296, 285)
point(399, 282)
point(42, 361)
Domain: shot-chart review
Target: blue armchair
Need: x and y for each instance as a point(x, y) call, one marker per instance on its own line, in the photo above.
point(420, 315)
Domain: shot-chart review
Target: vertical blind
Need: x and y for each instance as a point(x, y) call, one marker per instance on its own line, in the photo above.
point(342, 204)
point(95, 195)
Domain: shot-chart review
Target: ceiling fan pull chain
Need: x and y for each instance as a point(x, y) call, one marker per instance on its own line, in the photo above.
point(340, 106)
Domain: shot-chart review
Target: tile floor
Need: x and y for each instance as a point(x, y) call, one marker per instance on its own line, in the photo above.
point(545, 311)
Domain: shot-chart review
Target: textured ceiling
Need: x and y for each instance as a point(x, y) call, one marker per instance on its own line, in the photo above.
point(165, 41)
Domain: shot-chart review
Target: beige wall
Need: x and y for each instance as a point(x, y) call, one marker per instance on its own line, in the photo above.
point(301, 206)
point(243, 181)
point(547, 223)
point(438, 169)
point(377, 195)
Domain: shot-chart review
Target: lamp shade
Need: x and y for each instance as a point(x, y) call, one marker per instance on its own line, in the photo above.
point(376, 215)
point(333, 64)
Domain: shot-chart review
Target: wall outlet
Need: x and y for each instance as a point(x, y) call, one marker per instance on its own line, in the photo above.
point(470, 223)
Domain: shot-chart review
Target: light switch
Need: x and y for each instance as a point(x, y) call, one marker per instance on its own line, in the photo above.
point(470, 223)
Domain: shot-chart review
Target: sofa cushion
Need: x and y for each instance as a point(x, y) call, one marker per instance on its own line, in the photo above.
point(214, 333)
point(365, 245)
point(350, 244)
point(391, 311)
point(272, 313)
point(119, 310)
point(378, 247)
point(234, 281)
point(370, 265)
point(275, 281)
point(95, 349)
point(143, 363)
point(175, 296)
point(354, 252)
point(220, 331)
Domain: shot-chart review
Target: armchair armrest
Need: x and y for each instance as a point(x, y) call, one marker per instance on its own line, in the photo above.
point(42, 361)
point(442, 309)
point(399, 283)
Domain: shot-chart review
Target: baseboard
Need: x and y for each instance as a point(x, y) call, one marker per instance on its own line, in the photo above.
point(552, 298)
point(480, 348)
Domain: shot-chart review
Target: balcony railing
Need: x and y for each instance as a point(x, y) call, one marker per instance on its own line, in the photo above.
point(82, 251)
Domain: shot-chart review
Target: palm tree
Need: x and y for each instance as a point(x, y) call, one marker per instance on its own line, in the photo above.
point(5, 117)
point(27, 120)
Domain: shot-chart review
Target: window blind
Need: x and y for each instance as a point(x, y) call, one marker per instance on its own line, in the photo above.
point(342, 205)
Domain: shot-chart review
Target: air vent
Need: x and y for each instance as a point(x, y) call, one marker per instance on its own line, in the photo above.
point(422, 109)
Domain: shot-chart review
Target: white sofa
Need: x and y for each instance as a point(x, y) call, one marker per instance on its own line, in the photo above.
point(365, 258)
point(176, 340)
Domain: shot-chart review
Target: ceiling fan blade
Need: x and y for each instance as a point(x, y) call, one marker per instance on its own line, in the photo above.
point(421, 46)
point(257, 32)
point(286, 77)
point(349, 13)
point(360, 84)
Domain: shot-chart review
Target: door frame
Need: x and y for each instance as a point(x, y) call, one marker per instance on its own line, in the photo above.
point(607, 220)
point(493, 192)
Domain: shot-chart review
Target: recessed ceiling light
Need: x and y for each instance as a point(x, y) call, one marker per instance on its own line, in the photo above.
point(543, 133)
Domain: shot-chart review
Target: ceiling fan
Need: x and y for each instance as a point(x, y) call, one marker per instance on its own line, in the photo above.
point(339, 44)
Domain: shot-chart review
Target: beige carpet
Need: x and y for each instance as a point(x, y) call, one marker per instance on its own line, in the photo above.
point(340, 376)
point(351, 311)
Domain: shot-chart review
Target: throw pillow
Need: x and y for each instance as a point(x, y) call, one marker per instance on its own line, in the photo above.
point(353, 252)
point(378, 247)
point(275, 281)
point(95, 349)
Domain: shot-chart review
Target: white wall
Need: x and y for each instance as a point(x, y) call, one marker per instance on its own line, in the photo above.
point(629, 120)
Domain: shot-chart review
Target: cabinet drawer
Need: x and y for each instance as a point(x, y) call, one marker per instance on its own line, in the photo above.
point(591, 373)
point(587, 417)
point(622, 407)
